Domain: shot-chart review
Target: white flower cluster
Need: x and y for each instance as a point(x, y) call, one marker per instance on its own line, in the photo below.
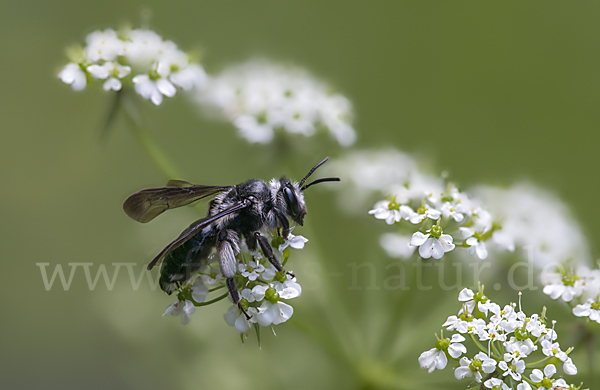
point(436, 217)
point(538, 221)
point(262, 289)
point(260, 97)
point(580, 288)
point(156, 67)
point(439, 216)
point(513, 340)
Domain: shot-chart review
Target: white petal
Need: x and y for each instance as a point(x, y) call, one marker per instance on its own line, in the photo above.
point(156, 97)
point(188, 307)
point(462, 372)
point(112, 83)
point(418, 239)
point(426, 249)
point(267, 314)
point(241, 325)
point(466, 232)
point(465, 295)
point(455, 350)
point(437, 249)
point(569, 368)
point(549, 370)
point(536, 376)
point(441, 360)
point(481, 251)
point(231, 315)
point(166, 88)
point(285, 312)
point(446, 242)
point(199, 291)
point(98, 71)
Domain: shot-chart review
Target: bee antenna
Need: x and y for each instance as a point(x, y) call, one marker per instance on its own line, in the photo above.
point(320, 181)
point(313, 170)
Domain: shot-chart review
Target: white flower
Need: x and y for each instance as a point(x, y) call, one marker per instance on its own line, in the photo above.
point(515, 369)
point(569, 368)
point(536, 219)
point(464, 370)
point(112, 72)
point(183, 308)
point(523, 347)
point(538, 376)
point(558, 289)
point(104, 45)
point(475, 246)
point(480, 363)
point(296, 242)
point(234, 317)
point(451, 211)
point(455, 349)
point(190, 77)
point(553, 349)
point(153, 89)
point(524, 386)
point(432, 359)
point(382, 210)
point(251, 271)
point(260, 97)
point(73, 75)
point(252, 130)
point(397, 245)
point(199, 291)
point(589, 309)
point(432, 246)
point(424, 212)
point(274, 313)
point(494, 383)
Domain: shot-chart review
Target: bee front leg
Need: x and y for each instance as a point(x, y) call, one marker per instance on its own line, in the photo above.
point(268, 251)
point(227, 242)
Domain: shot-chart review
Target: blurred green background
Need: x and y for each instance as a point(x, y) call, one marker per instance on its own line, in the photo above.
point(489, 92)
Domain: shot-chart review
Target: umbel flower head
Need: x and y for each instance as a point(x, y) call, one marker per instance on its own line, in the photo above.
point(264, 292)
point(260, 98)
point(510, 346)
point(142, 58)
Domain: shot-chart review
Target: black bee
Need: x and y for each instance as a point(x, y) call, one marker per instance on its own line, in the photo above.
point(237, 211)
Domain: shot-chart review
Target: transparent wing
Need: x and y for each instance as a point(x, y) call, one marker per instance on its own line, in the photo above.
point(147, 204)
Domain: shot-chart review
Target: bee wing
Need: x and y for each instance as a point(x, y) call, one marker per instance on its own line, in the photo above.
point(147, 204)
point(194, 229)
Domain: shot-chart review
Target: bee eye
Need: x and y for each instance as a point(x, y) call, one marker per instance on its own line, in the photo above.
point(291, 201)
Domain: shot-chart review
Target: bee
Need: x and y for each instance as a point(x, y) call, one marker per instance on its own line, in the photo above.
point(235, 212)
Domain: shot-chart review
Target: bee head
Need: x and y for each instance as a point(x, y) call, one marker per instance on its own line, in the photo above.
point(290, 195)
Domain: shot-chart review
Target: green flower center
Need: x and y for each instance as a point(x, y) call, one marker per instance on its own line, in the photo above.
point(436, 231)
point(475, 365)
point(569, 280)
point(547, 383)
point(271, 295)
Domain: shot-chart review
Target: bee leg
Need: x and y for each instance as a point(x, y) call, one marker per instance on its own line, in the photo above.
point(266, 248)
point(235, 295)
point(227, 241)
point(285, 225)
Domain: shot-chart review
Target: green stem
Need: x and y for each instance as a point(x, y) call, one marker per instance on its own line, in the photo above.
point(217, 299)
point(496, 353)
point(538, 362)
point(148, 144)
point(216, 288)
point(478, 344)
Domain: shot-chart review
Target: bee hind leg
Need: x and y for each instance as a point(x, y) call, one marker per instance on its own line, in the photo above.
point(227, 245)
